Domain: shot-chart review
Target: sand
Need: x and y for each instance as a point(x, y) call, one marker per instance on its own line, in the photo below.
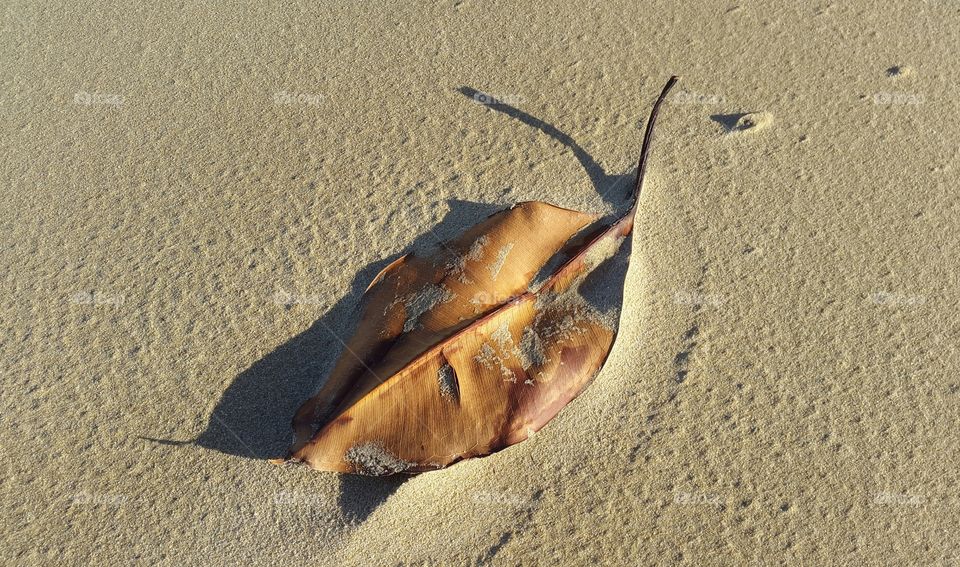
point(196, 194)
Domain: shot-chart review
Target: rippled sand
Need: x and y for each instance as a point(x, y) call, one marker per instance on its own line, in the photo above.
point(196, 194)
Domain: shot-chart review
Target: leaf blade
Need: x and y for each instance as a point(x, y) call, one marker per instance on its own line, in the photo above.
point(439, 378)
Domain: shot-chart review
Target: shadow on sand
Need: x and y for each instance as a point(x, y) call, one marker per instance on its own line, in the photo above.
point(252, 419)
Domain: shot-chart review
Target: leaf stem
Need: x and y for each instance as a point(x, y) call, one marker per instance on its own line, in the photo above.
point(648, 137)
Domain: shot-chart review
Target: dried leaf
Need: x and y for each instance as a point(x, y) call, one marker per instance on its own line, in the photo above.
point(455, 356)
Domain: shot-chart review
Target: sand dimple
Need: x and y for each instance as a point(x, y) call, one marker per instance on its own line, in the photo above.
point(374, 459)
point(898, 71)
point(752, 122)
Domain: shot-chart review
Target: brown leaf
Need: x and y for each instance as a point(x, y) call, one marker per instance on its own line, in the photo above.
point(455, 356)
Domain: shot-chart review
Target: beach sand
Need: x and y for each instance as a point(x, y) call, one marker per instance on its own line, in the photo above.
point(195, 196)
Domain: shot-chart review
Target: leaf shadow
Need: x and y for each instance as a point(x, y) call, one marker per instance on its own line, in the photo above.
point(252, 417)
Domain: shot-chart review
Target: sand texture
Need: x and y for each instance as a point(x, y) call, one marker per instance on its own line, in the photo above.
point(196, 194)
